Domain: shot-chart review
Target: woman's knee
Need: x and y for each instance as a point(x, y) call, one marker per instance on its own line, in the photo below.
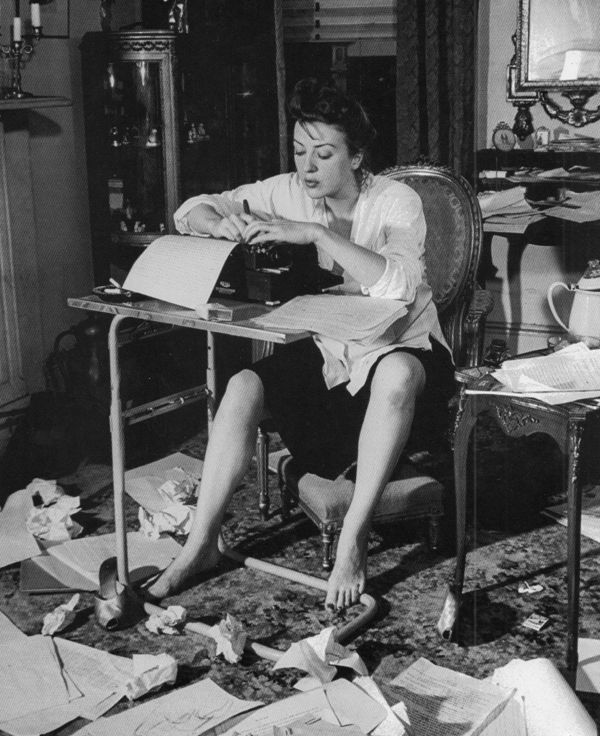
point(244, 392)
point(398, 380)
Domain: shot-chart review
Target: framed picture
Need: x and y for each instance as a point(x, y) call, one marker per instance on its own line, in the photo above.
point(56, 21)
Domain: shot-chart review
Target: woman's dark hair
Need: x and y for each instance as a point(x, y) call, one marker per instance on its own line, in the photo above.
point(312, 101)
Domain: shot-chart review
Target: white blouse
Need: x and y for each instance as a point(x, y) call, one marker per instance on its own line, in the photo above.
point(388, 219)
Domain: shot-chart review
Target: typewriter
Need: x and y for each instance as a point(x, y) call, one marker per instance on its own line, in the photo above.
point(273, 273)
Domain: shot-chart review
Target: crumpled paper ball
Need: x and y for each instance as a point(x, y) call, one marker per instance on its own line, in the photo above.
point(179, 486)
point(320, 656)
point(149, 673)
point(60, 617)
point(167, 621)
point(48, 490)
point(231, 638)
point(54, 523)
point(176, 518)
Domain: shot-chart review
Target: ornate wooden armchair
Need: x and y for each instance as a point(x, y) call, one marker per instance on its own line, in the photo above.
point(452, 250)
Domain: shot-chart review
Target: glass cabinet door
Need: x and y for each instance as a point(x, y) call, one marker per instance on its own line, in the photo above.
point(134, 130)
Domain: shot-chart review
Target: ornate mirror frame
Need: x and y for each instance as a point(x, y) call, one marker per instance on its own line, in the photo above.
point(524, 91)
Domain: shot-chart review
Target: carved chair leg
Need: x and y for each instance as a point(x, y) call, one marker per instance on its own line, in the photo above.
point(262, 472)
point(284, 494)
point(328, 532)
point(433, 533)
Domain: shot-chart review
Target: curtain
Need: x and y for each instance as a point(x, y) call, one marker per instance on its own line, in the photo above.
point(435, 82)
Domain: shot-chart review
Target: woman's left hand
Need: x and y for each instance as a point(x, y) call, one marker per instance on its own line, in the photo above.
point(286, 231)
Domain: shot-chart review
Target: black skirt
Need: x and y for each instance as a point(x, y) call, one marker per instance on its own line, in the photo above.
point(321, 426)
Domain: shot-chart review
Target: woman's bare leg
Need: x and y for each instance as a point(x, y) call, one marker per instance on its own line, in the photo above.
point(399, 378)
point(228, 454)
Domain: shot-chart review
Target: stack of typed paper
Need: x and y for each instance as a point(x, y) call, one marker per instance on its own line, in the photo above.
point(570, 374)
point(346, 318)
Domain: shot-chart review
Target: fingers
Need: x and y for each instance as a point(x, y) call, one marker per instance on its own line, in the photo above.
point(232, 227)
point(259, 231)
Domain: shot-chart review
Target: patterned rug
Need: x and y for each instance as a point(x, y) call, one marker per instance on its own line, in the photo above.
point(510, 543)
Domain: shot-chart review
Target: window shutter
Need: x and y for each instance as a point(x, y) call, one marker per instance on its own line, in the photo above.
point(338, 20)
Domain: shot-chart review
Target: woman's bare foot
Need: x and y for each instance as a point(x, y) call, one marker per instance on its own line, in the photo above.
point(183, 568)
point(349, 574)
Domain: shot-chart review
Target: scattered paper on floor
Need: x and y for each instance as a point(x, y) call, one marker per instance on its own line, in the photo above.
point(16, 543)
point(60, 617)
point(230, 636)
point(194, 709)
point(320, 656)
point(440, 700)
point(588, 670)
point(146, 557)
point(32, 677)
point(590, 513)
point(173, 474)
point(551, 706)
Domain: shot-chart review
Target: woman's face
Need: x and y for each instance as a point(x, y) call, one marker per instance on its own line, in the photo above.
point(323, 161)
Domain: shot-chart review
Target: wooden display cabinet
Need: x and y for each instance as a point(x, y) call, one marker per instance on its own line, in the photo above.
point(168, 116)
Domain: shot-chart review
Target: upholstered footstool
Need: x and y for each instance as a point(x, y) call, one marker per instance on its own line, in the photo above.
point(409, 496)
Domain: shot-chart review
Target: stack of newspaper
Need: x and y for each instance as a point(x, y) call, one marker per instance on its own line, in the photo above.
point(344, 318)
point(570, 374)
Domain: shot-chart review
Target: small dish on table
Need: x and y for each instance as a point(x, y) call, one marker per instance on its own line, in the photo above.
point(116, 294)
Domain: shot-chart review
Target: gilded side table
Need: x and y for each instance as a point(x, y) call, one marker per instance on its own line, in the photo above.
point(569, 425)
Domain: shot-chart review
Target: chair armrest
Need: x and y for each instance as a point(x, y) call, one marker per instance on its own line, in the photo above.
point(480, 306)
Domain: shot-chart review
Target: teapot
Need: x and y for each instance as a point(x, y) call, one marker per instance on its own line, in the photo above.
point(584, 319)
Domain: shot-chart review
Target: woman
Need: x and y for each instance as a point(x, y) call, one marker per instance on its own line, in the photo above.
point(332, 403)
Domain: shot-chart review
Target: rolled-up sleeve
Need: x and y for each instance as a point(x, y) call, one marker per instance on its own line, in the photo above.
point(270, 197)
point(401, 241)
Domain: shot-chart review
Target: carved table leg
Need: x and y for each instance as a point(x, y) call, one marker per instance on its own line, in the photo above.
point(262, 472)
point(575, 433)
point(463, 429)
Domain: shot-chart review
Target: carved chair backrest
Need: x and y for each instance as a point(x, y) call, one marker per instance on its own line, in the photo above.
point(452, 243)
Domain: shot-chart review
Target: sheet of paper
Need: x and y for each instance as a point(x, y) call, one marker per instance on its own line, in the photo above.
point(441, 702)
point(582, 207)
point(16, 543)
point(551, 706)
point(346, 318)
point(588, 669)
point(31, 677)
point(590, 513)
point(391, 724)
point(312, 705)
point(189, 711)
point(319, 655)
point(353, 706)
point(576, 368)
point(180, 269)
point(510, 225)
point(8, 630)
point(145, 556)
point(142, 483)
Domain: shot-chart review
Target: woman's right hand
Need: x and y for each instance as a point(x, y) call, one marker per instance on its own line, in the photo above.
point(231, 227)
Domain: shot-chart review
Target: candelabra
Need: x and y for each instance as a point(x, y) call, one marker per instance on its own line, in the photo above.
point(17, 52)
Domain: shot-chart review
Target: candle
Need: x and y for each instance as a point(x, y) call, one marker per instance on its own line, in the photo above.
point(16, 28)
point(36, 20)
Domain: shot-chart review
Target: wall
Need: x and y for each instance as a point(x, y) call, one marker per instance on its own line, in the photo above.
point(57, 150)
point(53, 157)
point(521, 313)
point(497, 23)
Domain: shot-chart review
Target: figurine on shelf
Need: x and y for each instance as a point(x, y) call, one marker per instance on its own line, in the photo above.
point(192, 134)
point(153, 138)
point(115, 137)
point(139, 227)
point(202, 134)
point(178, 16)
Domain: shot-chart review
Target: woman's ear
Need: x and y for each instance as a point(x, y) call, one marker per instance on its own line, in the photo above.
point(357, 160)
